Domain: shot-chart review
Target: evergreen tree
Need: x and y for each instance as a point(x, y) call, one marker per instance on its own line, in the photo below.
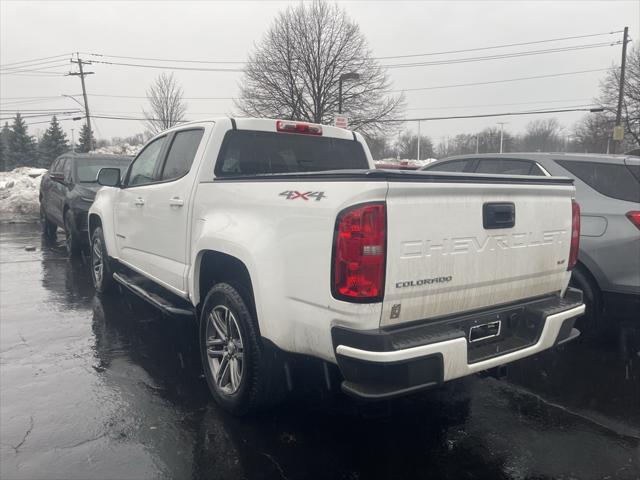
point(5, 133)
point(53, 144)
point(85, 135)
point(22, 147)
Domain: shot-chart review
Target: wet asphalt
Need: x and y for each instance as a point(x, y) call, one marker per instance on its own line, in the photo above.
point(109, 388)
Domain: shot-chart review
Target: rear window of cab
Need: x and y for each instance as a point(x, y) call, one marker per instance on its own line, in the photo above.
point(246, 152)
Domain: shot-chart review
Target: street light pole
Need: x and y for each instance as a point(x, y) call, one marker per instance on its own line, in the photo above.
point(418, 140)
point(501, 133)
point(342, 78)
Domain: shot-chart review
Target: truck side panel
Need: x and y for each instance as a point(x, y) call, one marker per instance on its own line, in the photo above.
point(286, 243)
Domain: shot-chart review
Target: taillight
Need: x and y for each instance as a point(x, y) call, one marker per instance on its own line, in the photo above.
point(635, 218)
point(359, 252)
point(575, 235)
point(298, 127)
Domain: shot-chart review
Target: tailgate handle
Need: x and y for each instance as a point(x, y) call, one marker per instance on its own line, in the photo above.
point(498, 215)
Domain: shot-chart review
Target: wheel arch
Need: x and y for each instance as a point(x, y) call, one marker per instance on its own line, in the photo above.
point(214, 267)
point(94, 222)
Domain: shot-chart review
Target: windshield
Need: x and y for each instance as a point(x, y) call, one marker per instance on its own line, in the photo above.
point(87, 169)
point(253, 153)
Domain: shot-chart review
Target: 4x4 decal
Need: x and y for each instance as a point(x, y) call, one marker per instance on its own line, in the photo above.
point(293, 194)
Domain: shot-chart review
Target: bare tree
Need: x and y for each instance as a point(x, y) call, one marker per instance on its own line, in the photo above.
point(407, 146)
point(542, 136)
point(294, 73)
point(609, 88)
point(459, 145)
point(592, 134)
point(166, 102)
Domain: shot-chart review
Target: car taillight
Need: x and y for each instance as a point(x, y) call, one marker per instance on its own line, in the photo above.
point(575, 235)
point(298, 127)
point(359, 253)
point(635, 218)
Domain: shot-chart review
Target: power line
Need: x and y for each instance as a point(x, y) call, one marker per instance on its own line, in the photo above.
point(144, 97)
point(32, 65)
point(34, 60)
point(167, 59)
point(484, 115)
point(517, 79)
point(43, 74)
point(32, 101)
point(34, 115)
point(35, 70)
point(534, 77)
point(391, 66)
point(448, 107)
point(520, 44)
point(171, 67)
point(502, 56)
point(401, 120)
point(38, 110)
point(388, 57)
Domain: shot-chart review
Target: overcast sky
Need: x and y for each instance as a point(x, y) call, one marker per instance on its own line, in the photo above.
point(229, 30)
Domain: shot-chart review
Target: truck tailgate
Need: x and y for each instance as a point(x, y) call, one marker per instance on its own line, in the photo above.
point(451, 247)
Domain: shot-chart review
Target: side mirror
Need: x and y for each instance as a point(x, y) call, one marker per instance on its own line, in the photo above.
point(109, 177)
point(56, 176)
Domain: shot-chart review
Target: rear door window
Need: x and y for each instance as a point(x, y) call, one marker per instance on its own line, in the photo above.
point(181, 154)
point(246, 152)
point(610, 179)
point(508, 166)
point(451, 166)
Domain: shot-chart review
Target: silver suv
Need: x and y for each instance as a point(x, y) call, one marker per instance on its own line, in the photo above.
point(608, 191)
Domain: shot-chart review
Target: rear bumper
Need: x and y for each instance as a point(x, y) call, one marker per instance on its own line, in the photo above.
point(381, 364)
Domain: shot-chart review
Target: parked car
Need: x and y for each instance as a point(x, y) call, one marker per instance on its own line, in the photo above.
point(608, 191)
point(281, 238)
point(67, 191)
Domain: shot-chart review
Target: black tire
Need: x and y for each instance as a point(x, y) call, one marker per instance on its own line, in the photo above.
point(49, 228)
point(592, 322)
point(260, 383)
point(71, 240)
point(103, 279)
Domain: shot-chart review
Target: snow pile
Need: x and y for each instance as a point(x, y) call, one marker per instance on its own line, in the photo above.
point(19, 194)
point(121, 149)
point(405, 162)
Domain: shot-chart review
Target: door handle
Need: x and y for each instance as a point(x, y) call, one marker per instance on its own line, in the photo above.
point(139, 201)
point(176, 202)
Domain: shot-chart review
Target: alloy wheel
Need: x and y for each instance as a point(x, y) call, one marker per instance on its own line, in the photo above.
point(97, 263)
point(225, 350)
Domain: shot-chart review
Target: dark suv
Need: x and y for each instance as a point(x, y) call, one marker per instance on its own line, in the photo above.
point(67, 191)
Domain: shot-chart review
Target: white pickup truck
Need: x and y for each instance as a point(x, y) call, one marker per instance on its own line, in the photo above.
point(281, 238)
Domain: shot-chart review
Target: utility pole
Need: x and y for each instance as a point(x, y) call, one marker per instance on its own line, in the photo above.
point(73, 142)
point(623, 66)
point(82, 74)
point(477, 144)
